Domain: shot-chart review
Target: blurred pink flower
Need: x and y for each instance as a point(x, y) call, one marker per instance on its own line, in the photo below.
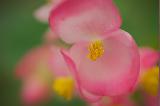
point(42, 70)
point(111, 71)
point(76, 20)
point(148, 80)
point(36, 75)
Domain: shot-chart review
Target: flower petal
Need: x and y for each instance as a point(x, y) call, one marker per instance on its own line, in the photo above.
point(84, 94)
point(34, 61)
point(75, 20)
point(43, 12)
point(148, 58)
point(114, 73)
point(34, 91)
point(58, 64)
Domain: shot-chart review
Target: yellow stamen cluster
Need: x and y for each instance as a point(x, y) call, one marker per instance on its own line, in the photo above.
point(149, 80)
point(96, 50)
point(64, 86)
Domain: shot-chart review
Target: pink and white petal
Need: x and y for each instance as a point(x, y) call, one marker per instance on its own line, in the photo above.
point(76, 20)
point(148, 58)
point(58, 64)
point(60, 69)
point(88, 96)
point(34, 91)
point(83, 93)
point(42, 14)
point(115, 73)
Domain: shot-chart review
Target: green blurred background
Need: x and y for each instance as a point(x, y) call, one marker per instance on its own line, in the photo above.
point(20, 31)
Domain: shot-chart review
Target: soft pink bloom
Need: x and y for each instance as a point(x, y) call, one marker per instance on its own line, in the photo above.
point(148, 58)
point(36, 75)
point(114, 73)
point(82, 21)
point(38, 69)
point(76, 20)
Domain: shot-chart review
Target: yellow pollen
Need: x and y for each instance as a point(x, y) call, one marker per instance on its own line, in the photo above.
point(96, 50)
point(149, 80)
point(64, 86)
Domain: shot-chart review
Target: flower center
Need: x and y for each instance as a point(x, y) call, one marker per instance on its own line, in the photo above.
point(64, 86)
point(96, 50)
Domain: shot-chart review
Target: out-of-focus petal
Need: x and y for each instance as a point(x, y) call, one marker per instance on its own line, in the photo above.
point(115, 73)
point(75, 20)
point(42, 13)
point(36, 60)
point(36, 74)
point(148, 58)
point(34, 91)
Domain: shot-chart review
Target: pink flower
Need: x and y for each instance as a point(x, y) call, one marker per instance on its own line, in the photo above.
point(41, 68)
point(34, 71)
point(149, 70)
point(103, 56)
point(112, 70)
point(76, 20)
point(148, 80)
